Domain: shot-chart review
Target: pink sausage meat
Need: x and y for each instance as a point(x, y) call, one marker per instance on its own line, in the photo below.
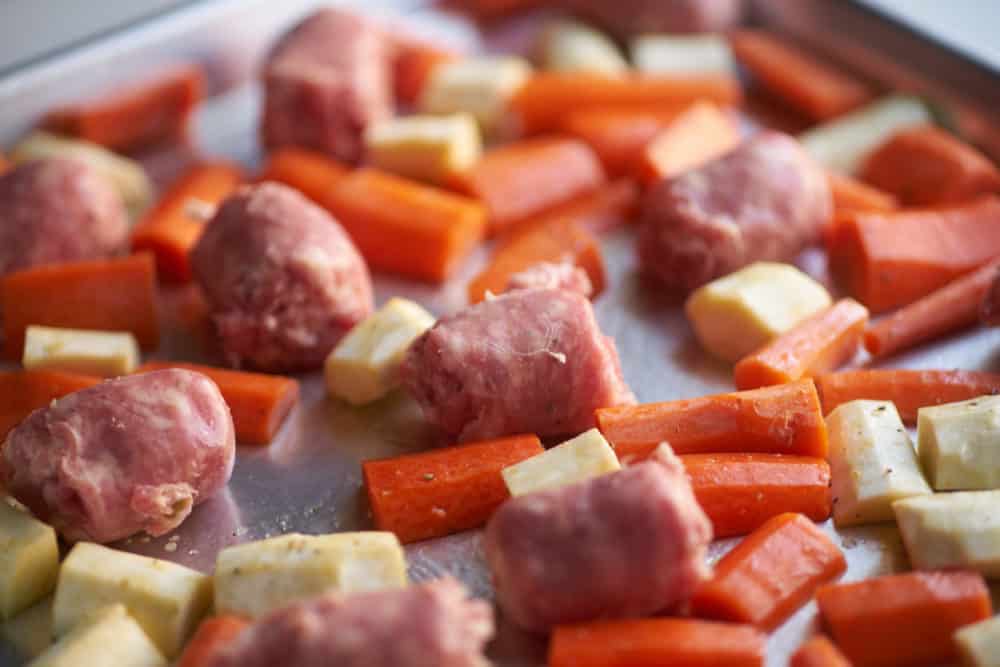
point(529, 361)
point(626, 18)
point(282, 278)
point(130, 454)
point(766, 200)
point(631, 543)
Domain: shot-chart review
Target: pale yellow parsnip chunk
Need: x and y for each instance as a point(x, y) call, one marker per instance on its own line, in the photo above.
point(585, 456)
point(572, 46)
point(979, 643)
point(959, 444)
point(425, 148)
point(481, 86)
point(30, 632)
point(29, 560)
point(102, 353)
point(682, 55)
point(104, 636)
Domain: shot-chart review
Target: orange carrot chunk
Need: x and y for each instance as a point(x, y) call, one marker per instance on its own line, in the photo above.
point(656, 642)
point(807, 84)
point(23, 392)
point(404, 227)
point(903, 619)
point(259, 402)
point(412, 67)
point(618, 136)
point(172, 228)
point(887, 260)
point(698, 135)
point(311, 173)
point(909, 389)
point(928, 166)
point(444, 491)
point(526, 178)
point(148, 112)
point(785, 419)
point(819, 344)
point(214, 633)
point(852, 196)
point(545, 98)
point(605, 208)
point(108, 295)
point(770, 574)
point(740, 492)
point(818, 651)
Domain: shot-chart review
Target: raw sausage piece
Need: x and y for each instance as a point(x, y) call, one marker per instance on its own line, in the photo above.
point(282, 278)
point(551, 275)
point(626, 18)
point(630, 543)
point(529, 361)
point(58, 210)
point(431, 624)
point(130, 454)
point(325, 82)
point(990, 310)
point(766, 200)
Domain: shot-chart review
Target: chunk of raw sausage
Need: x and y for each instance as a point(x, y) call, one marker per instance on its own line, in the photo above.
point(283, 280)
point(626, 18)
point(990, 310)
point(552, 275)
point(529, 361)
point(766, 200)
point(130, 454)
point(629, 543)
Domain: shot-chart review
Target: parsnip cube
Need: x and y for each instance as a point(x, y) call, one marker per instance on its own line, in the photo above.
point(682, 55)
point(30, 632)
point(979, 643)
point(571, 46)
point(426, 148)
point(104, 636)
point(736, 314)
point(482, 87)
point(104, 353)
point(168, 600)
point(959, 444)
point(364, 366)
point(29, 560)
point(872, 462)
point(952, 530)
point(254, 578)
point(585, 456)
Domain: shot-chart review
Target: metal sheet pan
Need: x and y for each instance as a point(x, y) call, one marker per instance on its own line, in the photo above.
point(309, 478)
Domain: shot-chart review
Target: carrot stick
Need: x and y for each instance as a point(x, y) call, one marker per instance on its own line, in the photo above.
point(656, 642)
point(908, 389)
point(526, 178)
point(146, 113)
point(928, 166)
point(801, 557)
point(23, 392)
point(617, 135)
point(547, 97)
point(903, 619)
point(412, 67)
point(107, 295)
point(950, 308)
point(851, 195)
point(213, 634)
point(443, 491)
point(700, 134)
point(170, 230)
point(819, 344)
point(311, 173)
point(258, 402)
point(818, 651)
point(605, 208)
point(805, 83)
point(404, 227)
point(740, 492)
point(780, 420)
point(558, 241)
point(887, 260)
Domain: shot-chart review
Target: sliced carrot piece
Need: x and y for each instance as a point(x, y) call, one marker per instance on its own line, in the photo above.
point(903, 619)
point(656, 642)
point(851, 195)
point(412, 67)
point(785, 419)
point(23, 392)
point(819, 344)
point(107, 295)
point(605, 208)
point(698, 135)
point(444, 491)
point(770, 574)
point(313, 174)
point(214, 633)
point(617, 135)
point(818, 651)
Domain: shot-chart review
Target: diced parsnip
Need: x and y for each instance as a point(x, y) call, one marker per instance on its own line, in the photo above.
point(126, 175)
point(425, 148)
point(952, 530)
point(364, 366)
point(872, 462)
point(679, 55)
point(168, 600)
point(254, 578)
point(29, 560)
point(736, 314)
point(585, 456)
point(482, 87)
point(103, 353)
point(104, 636)
point(30, 632)
point(842, 144)
point(959, 444)
point(979, 643)
point(571, 46)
